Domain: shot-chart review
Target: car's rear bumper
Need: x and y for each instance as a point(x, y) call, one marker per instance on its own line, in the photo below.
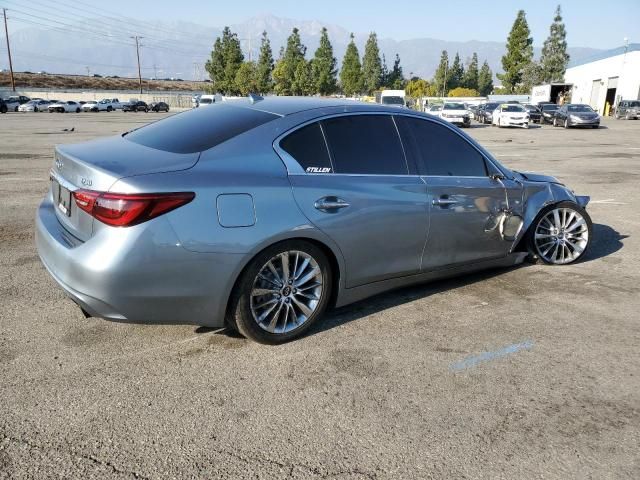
point(137, 274)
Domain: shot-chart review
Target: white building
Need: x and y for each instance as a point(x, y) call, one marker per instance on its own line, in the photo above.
point(604, 79)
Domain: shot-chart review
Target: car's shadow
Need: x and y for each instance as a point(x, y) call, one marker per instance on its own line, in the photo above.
point(606, 241)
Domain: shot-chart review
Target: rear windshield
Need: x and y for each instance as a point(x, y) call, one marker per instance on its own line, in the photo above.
point(550, 106)
point(199, 129)
point(453, 106)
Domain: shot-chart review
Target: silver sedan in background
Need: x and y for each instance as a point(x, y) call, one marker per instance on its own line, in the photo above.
point(258, 214)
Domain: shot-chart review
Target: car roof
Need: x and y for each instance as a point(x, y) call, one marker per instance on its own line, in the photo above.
point(289, 105)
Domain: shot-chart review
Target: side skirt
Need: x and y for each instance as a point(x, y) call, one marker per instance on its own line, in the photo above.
point(355, 294)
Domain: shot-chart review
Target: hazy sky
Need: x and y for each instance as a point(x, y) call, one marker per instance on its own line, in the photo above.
point(590, 23)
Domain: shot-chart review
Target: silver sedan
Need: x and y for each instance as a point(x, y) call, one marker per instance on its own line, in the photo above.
point(259, 214)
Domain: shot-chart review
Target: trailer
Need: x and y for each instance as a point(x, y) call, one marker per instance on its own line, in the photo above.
point(550, 92)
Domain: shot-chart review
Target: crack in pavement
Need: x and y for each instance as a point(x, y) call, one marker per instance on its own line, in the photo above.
point(246, 459)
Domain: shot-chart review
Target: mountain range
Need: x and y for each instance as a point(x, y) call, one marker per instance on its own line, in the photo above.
point(179, 49)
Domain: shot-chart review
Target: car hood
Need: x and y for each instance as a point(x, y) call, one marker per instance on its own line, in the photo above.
point(537, 177)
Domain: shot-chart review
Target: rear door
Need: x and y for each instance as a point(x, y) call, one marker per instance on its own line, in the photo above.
point(465, 201)
point(357, 189)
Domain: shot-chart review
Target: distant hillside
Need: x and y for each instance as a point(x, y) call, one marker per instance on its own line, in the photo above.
point(43, 49)
point(34, 80)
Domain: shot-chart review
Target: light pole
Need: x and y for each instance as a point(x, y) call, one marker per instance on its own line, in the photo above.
point(137, 39)
point(6, 32)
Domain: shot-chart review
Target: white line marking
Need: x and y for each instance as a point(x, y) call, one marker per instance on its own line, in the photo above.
point(608, 201)
point(509, 155)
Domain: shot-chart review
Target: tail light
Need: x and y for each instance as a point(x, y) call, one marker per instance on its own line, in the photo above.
point(126, 210)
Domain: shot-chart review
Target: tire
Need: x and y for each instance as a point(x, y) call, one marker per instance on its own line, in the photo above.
point(596, 126)
point(109, 108)
point(35, 109)
point(281, 308)
point(16, 108)
point(3, 109)
point(555, 122)
point(627, 117)
point(566, 123)
point(77, 110)
point(572, 235)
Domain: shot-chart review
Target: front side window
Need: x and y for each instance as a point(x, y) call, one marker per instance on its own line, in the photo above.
point(439, 151)
point(307, 146)
point(365, 144)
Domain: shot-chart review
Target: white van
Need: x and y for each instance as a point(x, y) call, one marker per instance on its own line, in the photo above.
point(206, 100)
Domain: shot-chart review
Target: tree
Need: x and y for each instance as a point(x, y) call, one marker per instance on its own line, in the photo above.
point(532, 75)
point(519, 53)
point(264, 68)
point(226, 58)
point(485, 80)
point(287, 65)
point(554, 57)
point(384, 75)
point(463, 92)
point(324, 68)
point(246, 78)
point(457, 72)
point(303, 81)
point(470, 79)
point(351, 73)
point(441, 78)
point(371, 65)
point(396, 77)
point(417, 88)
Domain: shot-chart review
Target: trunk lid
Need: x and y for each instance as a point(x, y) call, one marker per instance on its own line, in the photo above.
point(97, 165)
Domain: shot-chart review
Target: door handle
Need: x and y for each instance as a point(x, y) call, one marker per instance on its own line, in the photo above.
point(330, 203)
point(443, 201)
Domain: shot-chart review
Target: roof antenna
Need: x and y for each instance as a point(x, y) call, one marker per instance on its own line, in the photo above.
point(254, 97)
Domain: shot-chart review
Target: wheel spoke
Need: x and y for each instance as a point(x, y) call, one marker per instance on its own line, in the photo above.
point(304, 265)
point(304, 279)
point(257, 292)
point(284, 258)
point(264, 304)
point(274, 320)
point(579, 223)
point(275, 273)
point(556, 219)
point(303, 308)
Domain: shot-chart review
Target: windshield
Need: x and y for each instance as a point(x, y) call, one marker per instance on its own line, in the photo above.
point(392, 101)
point(579, 108)
point(453, 106)
point(549, 107)
point(490, 106)
point(531, 108)
point(634, 104)
point(512, 108)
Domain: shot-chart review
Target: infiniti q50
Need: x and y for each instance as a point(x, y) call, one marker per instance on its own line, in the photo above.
point(259, 214)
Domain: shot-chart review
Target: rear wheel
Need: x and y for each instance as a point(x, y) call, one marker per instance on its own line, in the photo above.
point(35, 109)
point(566, 123)
point(109, 108)
point(282, 292)
point(560, 234)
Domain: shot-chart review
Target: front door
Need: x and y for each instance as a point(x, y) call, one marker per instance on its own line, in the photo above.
point(465, 198)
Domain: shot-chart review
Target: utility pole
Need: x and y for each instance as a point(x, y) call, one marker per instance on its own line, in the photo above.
point(6, 32)
point(137, 38)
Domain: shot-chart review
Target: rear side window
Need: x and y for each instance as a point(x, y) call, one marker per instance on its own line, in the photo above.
point(199, 129)
point(439, 151)
point(365, 144)
point(308, 147)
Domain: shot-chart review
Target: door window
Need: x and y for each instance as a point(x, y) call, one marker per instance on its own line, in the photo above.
point(307, 146)
point(439, 151)
point(365, 144)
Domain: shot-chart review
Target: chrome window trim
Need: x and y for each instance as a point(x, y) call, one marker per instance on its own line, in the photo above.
point(294, 168)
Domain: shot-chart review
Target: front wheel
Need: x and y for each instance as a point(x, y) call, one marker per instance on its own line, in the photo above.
point(560, 234)
point(566, 123)
point(281, 293)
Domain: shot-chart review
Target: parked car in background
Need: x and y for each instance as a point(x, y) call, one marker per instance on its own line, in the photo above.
point(548, 112)
point(3, 106)
point(206, 100)
point(576, 115)
point(36, 105)
point(197, 218)
point(15, 101)
point(510, 115)
point(64, 107)
point(109, 104)
point(90, 106)
point(434, 109)
point(159, 107)
point(194, 101)
point(485, 113)
point(135, 106)
point(535, 115)
point(628, 109)
point(456, 113)
point(393, 98)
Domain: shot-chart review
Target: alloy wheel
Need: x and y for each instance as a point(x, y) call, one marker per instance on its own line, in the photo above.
point(286, 292)
point(561, 236)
